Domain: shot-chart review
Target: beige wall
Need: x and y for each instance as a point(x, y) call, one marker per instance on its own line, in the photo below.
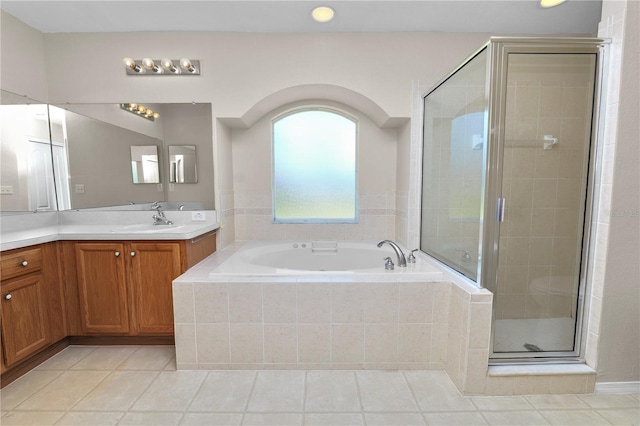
point(619, 345)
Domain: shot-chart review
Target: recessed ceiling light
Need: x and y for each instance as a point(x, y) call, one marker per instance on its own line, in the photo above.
point(322, 13)
point(550, 3)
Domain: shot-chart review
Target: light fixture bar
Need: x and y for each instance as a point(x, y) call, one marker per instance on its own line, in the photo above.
point(165, 66)
point(140, 111)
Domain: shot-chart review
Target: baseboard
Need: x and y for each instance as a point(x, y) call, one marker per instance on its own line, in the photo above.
point(618, 387)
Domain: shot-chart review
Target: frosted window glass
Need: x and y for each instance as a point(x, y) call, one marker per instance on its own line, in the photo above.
point(314, 167)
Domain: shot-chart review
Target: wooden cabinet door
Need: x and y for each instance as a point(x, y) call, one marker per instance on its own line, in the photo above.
point(102, 287)
point(153, 267)
point(24, 318)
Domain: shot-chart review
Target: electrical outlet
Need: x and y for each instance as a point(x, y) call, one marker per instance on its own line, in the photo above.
point(198, 216)
point(172, 187)
point(79, 188)
point(159, 187)
point(6, 190)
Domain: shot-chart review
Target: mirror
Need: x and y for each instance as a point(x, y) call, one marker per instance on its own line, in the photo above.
point(182, 164)
point(145, 166)
point(87, 148)
point(26, 183)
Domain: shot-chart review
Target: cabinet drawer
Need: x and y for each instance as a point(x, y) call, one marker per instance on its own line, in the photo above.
point(20, 262)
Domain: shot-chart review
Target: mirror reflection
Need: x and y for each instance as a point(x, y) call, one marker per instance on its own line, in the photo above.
point(79, 156)
point(182, 164)
point(145, 167)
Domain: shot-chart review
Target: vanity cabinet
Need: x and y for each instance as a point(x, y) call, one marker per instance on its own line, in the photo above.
point(32, 313)
point(125, 287)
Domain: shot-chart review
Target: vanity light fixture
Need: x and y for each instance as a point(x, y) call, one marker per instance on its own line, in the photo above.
point(140, 111)
point(148, 66)
point(323, 14)
point(550, 3)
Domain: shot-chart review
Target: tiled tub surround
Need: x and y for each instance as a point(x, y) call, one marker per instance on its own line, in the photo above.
point(357, 322)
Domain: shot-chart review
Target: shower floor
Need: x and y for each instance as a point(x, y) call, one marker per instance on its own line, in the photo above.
point(526, 335)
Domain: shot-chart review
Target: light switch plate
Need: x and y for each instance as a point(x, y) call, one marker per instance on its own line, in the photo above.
point(198, 216)
point(79, 188)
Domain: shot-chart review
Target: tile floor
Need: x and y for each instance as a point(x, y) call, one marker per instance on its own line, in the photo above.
point(138, 385)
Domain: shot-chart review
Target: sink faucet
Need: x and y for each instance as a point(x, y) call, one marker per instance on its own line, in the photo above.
point(160, 218)
point(402, 261)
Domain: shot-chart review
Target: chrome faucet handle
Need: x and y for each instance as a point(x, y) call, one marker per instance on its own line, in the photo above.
point(388, 264)
point(155, 205)
point(411, 258)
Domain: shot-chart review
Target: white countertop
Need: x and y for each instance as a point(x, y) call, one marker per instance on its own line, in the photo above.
point(17, 233)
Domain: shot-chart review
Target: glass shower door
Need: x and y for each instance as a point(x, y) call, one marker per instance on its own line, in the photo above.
point(546, 158)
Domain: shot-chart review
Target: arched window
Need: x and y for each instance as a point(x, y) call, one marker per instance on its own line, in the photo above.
point(314, 167)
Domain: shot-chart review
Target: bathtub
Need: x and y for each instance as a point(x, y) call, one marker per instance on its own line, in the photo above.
point(322, 258)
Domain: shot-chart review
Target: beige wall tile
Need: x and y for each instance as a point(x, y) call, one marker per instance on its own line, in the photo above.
point(414, 343)
point(185, 336)
point(381, 303)
point(347, 305)
point(279, 303)
point(212, 343)
point(314, 343)
point(246, 343)
point(245, 302)
point(183, 302)
point(211, 304)
point(415, 301)
point(314, 303)
point(381, 343)
point(347, 343)
point(280, 343)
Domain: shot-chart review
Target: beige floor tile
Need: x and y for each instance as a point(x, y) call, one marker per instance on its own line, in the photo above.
point(622, 416)
point(171, 391)
point(333, 419)
point(274, 419)
point(332, 391)
point(396, 419)
point(556, 402)
point(454, 419)
point(66, 358)
point(151, 419)
point(500, 403)
point(385, 391)
point(117, 392)
point(90, 419)
point(513, 418)
point(573, 417)
point(149, 358)
point(22, 418)
point(211, 419)
point(434, 391)
point(610, 401)
point(64, 391)
point(224, 391)
point(278, 391)
point(104, 358)
point(16, 392)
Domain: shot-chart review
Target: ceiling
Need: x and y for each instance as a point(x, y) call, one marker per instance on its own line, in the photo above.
point(506, 17)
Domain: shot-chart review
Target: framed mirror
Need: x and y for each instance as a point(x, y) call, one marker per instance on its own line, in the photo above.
point(182, 164)
point(145, 166)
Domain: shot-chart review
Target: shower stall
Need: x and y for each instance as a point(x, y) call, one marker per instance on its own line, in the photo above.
point(509, 147)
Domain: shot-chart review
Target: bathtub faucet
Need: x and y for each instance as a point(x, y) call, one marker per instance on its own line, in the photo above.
point(402, 261)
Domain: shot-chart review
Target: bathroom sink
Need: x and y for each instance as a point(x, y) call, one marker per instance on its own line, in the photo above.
point(146, 228)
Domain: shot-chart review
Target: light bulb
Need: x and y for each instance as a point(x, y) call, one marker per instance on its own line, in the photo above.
point(150, 65)
point(156, 115)
point(168, 65)
point(550, 3)
point(141, 108)
point(186, 64)
point(131, 64)
point(322, 14)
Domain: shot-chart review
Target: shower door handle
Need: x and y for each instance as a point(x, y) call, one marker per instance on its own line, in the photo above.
point(500, 202)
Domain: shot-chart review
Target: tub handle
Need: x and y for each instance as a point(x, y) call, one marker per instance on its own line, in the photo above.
point(388, 264)
point(411, 258)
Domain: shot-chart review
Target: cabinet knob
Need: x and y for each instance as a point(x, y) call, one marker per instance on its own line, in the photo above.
point(117, 254)
point(24, 263)
point(133, 253)
point(7, 296)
